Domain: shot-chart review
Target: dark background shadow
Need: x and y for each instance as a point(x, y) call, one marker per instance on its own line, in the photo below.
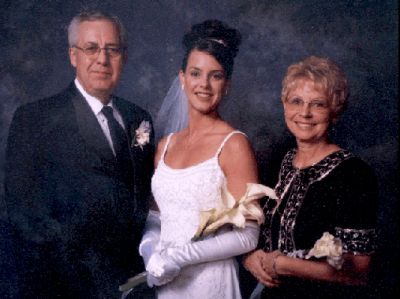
point(361, 36)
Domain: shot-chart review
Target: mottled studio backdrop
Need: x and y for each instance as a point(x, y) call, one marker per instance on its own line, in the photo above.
point(360, 35)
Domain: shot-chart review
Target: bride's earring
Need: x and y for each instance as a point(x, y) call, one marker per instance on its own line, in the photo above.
point(183, 87)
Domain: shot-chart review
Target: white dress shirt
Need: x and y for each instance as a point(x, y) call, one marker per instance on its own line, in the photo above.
point(96, 105)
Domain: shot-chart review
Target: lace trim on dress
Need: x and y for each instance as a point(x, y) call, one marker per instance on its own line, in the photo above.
point(357, 241)
point(297, 181)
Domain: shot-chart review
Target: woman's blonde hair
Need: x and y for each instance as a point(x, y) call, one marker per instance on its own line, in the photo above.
point(325, 74)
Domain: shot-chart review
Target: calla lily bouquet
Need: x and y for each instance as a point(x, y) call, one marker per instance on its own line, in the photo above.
point(231, 211)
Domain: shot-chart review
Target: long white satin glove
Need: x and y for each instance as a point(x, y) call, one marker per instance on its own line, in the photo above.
point(151, 237)
point(149, 246)
point(224, 244)
point(149, 250)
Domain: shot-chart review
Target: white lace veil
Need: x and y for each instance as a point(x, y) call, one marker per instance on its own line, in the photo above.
point(173, 114)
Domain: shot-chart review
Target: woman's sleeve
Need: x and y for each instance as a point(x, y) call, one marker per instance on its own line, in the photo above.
point(357, 207)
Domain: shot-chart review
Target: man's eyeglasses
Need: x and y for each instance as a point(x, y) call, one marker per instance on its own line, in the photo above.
point(95, 50)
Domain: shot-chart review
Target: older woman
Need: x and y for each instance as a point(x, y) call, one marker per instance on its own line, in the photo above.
point(322, 188)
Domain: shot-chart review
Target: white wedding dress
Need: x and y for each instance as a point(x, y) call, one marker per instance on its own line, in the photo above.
point(180, 195)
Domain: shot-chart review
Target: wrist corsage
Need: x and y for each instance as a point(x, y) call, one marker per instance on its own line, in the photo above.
point(330, 247)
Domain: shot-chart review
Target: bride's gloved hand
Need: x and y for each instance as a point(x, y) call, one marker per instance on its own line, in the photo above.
point(165, 266)
point(149, 245)
point(161, 270)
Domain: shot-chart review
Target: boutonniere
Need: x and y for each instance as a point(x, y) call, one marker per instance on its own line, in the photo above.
point(142, 134)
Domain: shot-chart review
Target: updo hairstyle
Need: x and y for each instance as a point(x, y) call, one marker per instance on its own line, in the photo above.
point(216, 39)
point(326, 75)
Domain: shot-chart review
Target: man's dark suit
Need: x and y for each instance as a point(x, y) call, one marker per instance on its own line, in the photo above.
point(77, 222)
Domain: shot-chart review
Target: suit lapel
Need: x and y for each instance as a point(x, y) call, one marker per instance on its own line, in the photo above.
point(129, 120)
point(142, 158)
point(89, 127)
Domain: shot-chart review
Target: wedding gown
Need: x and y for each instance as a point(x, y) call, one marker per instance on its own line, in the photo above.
point(180, 195)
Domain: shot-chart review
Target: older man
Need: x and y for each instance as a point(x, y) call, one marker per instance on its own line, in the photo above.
point(78, 173)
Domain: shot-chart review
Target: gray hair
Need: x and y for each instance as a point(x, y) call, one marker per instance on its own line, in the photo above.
point(95, 16)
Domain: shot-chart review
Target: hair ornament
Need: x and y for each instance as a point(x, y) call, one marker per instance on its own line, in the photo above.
point(219, 41)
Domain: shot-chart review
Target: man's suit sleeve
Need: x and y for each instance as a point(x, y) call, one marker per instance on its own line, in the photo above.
point(28, 215)
point(21, 163)
point(25, 176)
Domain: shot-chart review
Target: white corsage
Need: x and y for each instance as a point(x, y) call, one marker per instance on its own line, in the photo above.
point(142, 134)
point(330, 247)
point(234, 212)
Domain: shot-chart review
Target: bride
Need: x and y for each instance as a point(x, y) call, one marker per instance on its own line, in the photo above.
point(192, 166)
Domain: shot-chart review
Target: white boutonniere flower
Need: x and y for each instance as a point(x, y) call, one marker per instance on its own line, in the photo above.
point(142, 134)
point(330, 247)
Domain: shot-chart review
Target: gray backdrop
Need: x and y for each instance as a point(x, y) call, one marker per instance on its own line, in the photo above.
point(360, 35)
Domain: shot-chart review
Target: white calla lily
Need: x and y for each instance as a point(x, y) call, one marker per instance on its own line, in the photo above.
point(231, 211)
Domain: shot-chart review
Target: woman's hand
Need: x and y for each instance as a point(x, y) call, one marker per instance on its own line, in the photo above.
point(269, 263)
point(254, 263)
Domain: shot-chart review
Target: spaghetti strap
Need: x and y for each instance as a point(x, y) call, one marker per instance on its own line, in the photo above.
point(166, 146)
point(226, 139)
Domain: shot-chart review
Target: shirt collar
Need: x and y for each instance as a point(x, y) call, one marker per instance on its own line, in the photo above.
point(95, 104)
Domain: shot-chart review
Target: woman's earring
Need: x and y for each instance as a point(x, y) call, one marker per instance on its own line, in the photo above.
point(226, 91)
point(183, 87)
